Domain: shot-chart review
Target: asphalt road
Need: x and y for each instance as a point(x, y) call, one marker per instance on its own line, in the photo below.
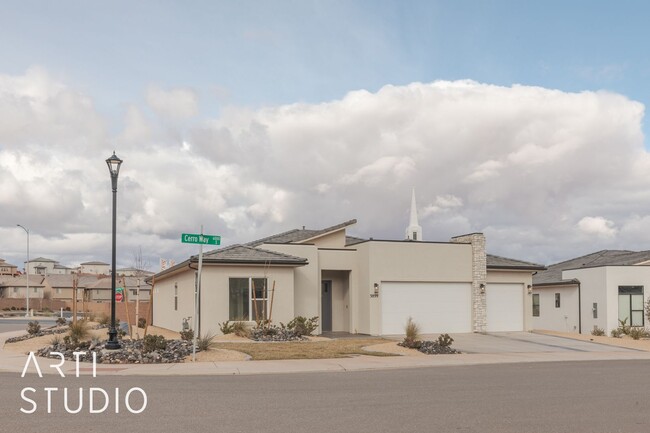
point(20, 324)
point(574, 397)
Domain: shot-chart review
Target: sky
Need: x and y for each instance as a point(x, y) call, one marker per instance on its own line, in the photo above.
point(522, 120)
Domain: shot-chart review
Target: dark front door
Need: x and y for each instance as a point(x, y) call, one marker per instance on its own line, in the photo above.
point(326, 305)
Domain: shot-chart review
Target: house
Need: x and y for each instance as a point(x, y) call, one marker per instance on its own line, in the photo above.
point(94, 268)
point(101, 289)
point(45, 266)
point(8, 268)
point(593, 291)
point(61, 287)
point(16, 287)
point(133, 272)
point(354, 285)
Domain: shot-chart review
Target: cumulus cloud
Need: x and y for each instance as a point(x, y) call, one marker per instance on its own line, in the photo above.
point(174, 104)
point(523, 164)
point(598, 226)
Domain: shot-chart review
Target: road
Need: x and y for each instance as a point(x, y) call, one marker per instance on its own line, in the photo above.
point(574, 397)
point(20, 324)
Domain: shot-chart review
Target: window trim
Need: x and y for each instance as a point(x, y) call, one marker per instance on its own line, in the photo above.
point(629, 295)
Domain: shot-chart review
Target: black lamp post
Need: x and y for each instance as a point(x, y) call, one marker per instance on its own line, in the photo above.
point(114, 168)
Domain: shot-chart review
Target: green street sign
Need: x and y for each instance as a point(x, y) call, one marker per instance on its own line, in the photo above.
point(190, 238)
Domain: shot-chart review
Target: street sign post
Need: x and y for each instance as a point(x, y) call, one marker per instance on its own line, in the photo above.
point(201, 239)
point(191, 238)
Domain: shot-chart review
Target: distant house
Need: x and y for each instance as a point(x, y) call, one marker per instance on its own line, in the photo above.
point(100, 290)
point(61, 286)
point(95, 268)
point(354, 285)
point(16, 287)
point(133, 272)
point(45, 266)
point(593, 291)
point(8, 268)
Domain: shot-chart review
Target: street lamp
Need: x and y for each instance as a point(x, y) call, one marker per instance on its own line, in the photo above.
point(26, 269)
point(114, 168)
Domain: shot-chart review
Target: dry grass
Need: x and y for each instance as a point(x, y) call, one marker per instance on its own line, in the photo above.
point(305, 349)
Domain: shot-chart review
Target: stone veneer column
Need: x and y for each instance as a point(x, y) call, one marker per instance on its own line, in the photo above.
point(479, 277)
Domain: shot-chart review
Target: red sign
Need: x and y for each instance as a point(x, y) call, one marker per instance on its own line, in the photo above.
point(119, 295)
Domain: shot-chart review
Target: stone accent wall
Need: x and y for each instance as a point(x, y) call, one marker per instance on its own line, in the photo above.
point(479, 277)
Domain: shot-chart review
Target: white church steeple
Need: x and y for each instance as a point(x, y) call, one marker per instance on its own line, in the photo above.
point(414, 230)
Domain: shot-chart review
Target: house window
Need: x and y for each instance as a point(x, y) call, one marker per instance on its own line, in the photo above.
point(15, 289)
point(248, 298)
point(630, 305)
point(557, 300)
point(58, 291)
point(594, 310)
point(415, 236)
point(35, 289)
point(175, 296)
point(536, 305)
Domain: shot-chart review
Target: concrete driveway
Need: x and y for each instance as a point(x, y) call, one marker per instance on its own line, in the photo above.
point(523, 342)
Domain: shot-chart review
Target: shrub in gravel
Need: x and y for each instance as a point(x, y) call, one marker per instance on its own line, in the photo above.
point(187, 335)
point(637, 333)
point(61, 321)
point(154, 342)
point(301, 325)
point(226, 327)
point(78, 331)
point(142, 322)
point(204, 342)
point(33, 327)
point(599, 332)
point(274, 333)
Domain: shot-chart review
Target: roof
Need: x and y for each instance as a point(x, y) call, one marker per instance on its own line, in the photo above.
point(58, 266)
point(239, 254)
point(299, 235)
point(498, 262)
point(94, 263)
point(247, 254)
point(65, 281)
point(42, 259)
point(21, 281)
point(553, 274)
point(130, 282)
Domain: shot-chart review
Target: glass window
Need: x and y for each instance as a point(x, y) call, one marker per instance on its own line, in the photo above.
point(557, 300)
point(248, 299)
point(536, 305)
point(630, 305)
point(239, 298)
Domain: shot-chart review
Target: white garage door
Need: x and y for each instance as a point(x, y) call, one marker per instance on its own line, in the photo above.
point(505, 307)
point(435, 307)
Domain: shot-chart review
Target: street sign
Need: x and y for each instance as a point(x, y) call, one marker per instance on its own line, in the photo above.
point(190, 238)
point(119, 295)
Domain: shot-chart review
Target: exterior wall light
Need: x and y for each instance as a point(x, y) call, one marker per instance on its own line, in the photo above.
point(374, 292)
point(482, 287)
point(530, 289)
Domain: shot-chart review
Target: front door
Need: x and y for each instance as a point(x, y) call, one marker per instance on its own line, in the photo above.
point(326, 305)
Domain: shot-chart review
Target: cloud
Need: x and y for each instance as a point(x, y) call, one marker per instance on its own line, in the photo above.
point(174, 104)
point(598, 226)
point(523, 164)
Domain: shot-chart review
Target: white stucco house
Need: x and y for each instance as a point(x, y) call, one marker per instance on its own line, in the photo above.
point(354, 285)
point(595, 290)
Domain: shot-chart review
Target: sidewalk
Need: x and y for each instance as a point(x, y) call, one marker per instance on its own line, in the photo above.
point(12, 362)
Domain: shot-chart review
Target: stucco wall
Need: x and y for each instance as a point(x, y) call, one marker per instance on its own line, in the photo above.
point(563, 319)
point(164, 314)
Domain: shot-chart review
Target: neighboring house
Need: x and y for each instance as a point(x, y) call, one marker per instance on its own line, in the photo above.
point(16, 287)
point(45, 266)
point(133, 272)
point(61, 286)
point(593, 291)
point(94, 268)
point(100, 290)
point(8, 268)
point(354, 285)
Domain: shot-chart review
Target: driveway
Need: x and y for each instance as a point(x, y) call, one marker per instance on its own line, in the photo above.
point(523, 342)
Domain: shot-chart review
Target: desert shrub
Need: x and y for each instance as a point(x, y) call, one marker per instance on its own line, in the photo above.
point(103, 319)
point(616, 333)
point(142, 322)
point(153, 342)
point(226, 327)
point(13, 308)
point(441, 346)
point(78, 331)
point(56, 340)
point(203, 342)
point(598, 331)
point(187, 335)
point(61, 321)
point(273, 333)
point(240, 329)
point(624, 327)
point(637, 332)
point(33, 327)
point(412, 330)
point(301, 325)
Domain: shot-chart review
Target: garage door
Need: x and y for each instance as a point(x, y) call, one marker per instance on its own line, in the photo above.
point(505, 307)
point(435, 307)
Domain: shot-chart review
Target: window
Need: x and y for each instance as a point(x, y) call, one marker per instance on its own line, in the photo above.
point(630, 305)
point(58, 291)
point(415, 236)
point(15, 289)
point(557, 300)
point(248, 298)
point(594, 310)
point(175, 296)
point(536, 305)
point(35, 289)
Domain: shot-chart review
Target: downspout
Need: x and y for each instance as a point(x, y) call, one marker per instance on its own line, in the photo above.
point(579, 309)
